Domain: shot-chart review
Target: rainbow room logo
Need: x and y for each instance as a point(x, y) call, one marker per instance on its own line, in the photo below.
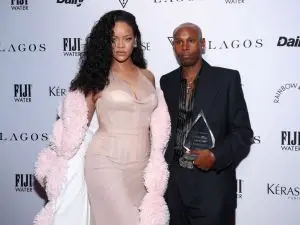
point(285, 89)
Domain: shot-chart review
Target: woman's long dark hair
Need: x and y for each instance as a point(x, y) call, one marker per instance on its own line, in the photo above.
point(96, 59)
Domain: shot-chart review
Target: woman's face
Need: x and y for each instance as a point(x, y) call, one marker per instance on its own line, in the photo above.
point(123, 41)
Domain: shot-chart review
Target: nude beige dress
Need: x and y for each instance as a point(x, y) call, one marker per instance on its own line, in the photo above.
point(119, 151)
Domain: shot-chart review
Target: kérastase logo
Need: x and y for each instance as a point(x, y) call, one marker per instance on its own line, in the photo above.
point(288, 42)
point(283, 191)
point(23, 136)
point(57, 91)
point(70, 2)
point(72, 46)
point(19, 5)
point(24, 182)
point(22, 92)
point(284, 89)
point(230, 44)
point(123, 3)
point(22, 47)
point(290, 140)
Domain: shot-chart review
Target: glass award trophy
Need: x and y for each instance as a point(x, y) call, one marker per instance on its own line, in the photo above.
point(198, 137)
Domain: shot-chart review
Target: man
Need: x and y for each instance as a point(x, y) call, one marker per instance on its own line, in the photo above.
point(205, 194)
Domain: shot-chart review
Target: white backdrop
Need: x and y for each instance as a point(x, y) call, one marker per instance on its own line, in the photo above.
point(258, 38)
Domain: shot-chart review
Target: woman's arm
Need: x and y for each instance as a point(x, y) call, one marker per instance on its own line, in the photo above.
point(91, 100)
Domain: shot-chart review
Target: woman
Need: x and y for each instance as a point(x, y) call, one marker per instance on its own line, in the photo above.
point(101, 167)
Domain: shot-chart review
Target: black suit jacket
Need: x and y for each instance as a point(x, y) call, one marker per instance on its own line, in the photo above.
point(219, 94)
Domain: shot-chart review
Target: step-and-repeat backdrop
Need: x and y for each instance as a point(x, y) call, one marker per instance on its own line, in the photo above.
point(40, 42)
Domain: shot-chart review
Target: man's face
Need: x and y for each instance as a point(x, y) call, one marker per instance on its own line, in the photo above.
point(188, 46)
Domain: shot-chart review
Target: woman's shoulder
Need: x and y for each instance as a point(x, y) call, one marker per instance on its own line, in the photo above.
point(149, 75)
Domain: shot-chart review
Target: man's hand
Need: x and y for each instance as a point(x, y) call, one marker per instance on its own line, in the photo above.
point(205, 159)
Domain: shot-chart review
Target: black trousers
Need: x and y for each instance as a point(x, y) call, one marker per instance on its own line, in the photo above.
point(186, 209)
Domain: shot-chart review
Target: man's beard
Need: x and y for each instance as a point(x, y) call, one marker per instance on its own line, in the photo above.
point(188, 63)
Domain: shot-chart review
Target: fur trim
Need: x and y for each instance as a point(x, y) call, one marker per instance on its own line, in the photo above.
point(154, 210)
point(52, 163)
point(43, 164)
point(56, 137)
point(156, 174)
point(56, 178)
point(74, 111)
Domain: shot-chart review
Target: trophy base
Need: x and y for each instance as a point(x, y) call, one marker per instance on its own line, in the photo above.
point(186, 161)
